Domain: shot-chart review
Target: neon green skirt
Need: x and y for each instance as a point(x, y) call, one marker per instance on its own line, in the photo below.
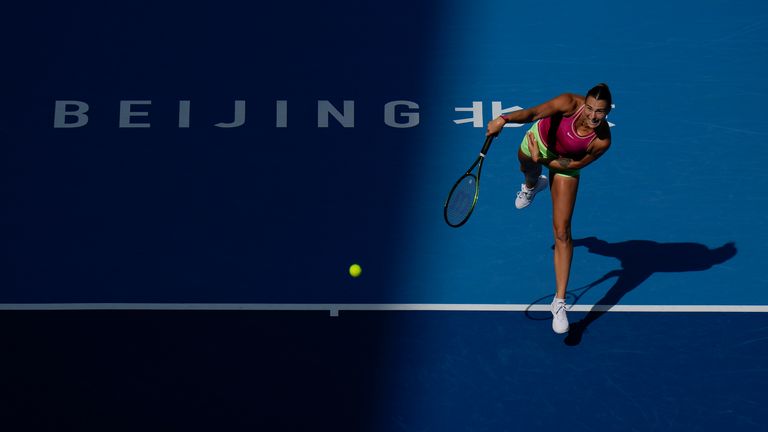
point(545, 152)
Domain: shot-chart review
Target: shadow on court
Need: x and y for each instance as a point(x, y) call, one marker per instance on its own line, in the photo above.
point(639, 260)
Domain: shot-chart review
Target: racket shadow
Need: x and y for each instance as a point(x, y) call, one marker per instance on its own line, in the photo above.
point(639, 260)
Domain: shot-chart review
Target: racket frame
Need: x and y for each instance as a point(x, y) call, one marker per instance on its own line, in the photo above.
point(479, 164)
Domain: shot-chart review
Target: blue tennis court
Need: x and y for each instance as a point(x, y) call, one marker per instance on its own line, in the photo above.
point(185, 186)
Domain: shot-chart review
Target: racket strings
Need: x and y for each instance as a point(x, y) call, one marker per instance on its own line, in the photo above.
point(461, 201)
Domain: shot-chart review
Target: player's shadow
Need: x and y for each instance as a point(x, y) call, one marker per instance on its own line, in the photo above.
point(639, 260)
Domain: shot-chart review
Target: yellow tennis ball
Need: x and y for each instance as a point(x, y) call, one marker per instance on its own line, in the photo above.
point(355, 270)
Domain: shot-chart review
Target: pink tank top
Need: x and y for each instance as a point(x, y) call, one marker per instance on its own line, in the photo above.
point(567, 142)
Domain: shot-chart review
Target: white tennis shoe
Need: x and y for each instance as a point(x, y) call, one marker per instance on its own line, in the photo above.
point(525, 196)
point(559, 317)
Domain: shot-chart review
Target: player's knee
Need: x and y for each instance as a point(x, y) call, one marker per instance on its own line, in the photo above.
point(563, 233)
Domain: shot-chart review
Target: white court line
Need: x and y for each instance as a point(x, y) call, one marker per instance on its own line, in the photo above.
point(335, 308)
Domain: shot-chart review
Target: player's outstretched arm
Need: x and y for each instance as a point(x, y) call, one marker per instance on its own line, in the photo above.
point(563, 104)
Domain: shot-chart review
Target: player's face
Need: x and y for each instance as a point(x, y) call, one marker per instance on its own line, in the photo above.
point(595, 112)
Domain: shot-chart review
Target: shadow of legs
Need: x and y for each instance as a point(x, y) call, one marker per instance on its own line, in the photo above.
point(626, 282)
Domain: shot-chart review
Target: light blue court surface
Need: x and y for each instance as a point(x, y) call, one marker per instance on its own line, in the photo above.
point(169, 167)
point(672, 200)
point(230, 156)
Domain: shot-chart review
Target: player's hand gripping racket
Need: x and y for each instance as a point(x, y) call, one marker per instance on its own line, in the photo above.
point(463, 196)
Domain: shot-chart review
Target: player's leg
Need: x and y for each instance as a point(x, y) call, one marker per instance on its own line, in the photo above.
point(563, 190)
point(530, 170)
point(534, 181)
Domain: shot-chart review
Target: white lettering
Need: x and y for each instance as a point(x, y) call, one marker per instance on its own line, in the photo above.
point(606, 116)
point(477, 114)
point(239, 116)
point(184, 114)
point(399, 114)
point(281, 120)
point(346, 119)
point(496, 111)
point(60, 114)
point(126, 113)
point(412, 117)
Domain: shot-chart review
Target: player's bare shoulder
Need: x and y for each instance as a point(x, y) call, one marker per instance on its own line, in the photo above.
point(602, 141)
point(569, 103)
point(603, 132)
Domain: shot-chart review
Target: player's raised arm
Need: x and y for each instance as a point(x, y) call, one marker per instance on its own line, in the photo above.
point(563, 104)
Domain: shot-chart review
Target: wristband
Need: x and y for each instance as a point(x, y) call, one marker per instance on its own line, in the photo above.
point(506, 120)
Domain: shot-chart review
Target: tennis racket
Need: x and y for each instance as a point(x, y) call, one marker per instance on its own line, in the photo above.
point(463, 196)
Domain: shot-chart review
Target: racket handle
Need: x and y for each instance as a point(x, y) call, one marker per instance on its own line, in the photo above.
point(486, 146)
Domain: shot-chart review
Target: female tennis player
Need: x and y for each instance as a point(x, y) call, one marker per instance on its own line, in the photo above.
point(569, 132)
